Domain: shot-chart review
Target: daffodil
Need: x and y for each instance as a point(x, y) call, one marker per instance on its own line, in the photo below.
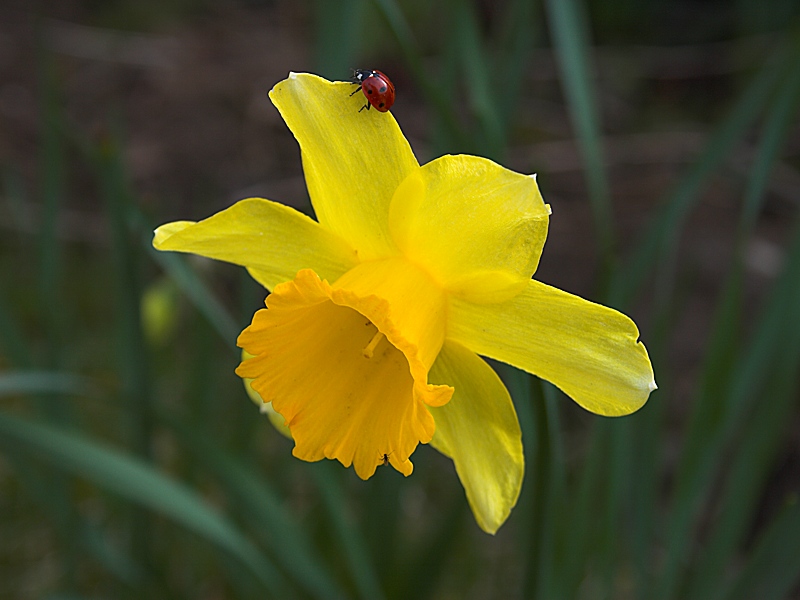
point(378, 312)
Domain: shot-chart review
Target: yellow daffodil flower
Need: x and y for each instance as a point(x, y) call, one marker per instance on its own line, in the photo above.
point(370, 340)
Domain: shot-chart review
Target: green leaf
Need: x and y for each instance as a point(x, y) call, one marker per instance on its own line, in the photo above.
point(436, 96)
point(338, 27)
point(658, 244)
point(543, 488)
point(347, 532)
point(774, 567)
point(17, 201)
point(45, 382)
point(516, 37)
point(12, 340)
point(189, 282)
point(751, 373)
point(273, 524)
point(777, 128)
point(131, 352)
point(750, 467)
point(52, 189)
point(761, 436)
point(585, 511)
point(139, 483)
point(570, 35)
point(75, 531)
point(421, 577)
point(475, 64)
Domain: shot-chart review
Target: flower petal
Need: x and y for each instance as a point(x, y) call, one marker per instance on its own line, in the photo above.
point(479, 430)
point(339, 401)
point(588, 350)
point(413, 320)
point(265, 408)
point(475, 226)
point(272, 240)
point(353, 161)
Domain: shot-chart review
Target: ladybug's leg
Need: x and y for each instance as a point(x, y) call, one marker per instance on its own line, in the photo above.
point(367, 105)
point(357, 89)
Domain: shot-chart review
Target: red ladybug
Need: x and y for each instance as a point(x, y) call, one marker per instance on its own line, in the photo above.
point(376, 87)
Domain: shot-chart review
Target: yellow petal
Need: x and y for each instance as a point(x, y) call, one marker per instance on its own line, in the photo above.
point(339, 370)
point(589, 351)
point(272, 240)
point(415, 322)
point(265, 408)
point(475, 226)
point(479, 430)
point(352, 160)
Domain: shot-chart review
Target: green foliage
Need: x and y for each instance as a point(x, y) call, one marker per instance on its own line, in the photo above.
point(148, 473)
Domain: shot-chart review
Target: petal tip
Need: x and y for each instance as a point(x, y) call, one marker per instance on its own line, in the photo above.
point(159, 235)
point(166, 231)
point(406, 467)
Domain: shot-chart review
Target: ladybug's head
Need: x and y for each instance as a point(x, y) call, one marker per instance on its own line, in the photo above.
point(359, 75)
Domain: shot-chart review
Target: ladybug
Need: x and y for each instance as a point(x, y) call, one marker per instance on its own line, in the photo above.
point(376, 87)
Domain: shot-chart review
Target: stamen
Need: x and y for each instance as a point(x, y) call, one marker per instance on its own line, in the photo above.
point(367, 352)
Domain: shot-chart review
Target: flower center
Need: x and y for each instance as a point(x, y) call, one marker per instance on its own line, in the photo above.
point(369, 348)
point(349, 392)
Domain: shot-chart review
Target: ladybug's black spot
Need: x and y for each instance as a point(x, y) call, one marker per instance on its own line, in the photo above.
point(369, 91)
point(382, 90)
point(381, 105)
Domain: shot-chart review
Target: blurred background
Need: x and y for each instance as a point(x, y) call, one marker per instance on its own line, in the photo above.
point(132, 464)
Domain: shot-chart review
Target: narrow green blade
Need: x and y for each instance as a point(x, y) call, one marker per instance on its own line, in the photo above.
point(659, 241)
point(749, 470)
point(475, 65)
point(705, 416)
point(338, 35)
point(274, 525)
point(45, 382)
point(52, 177)
point(774, 567)
point(751, 373)
point(347, 532)
point(570, 36)
point(139, 483)
point(412, 52)
point(198, 293)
